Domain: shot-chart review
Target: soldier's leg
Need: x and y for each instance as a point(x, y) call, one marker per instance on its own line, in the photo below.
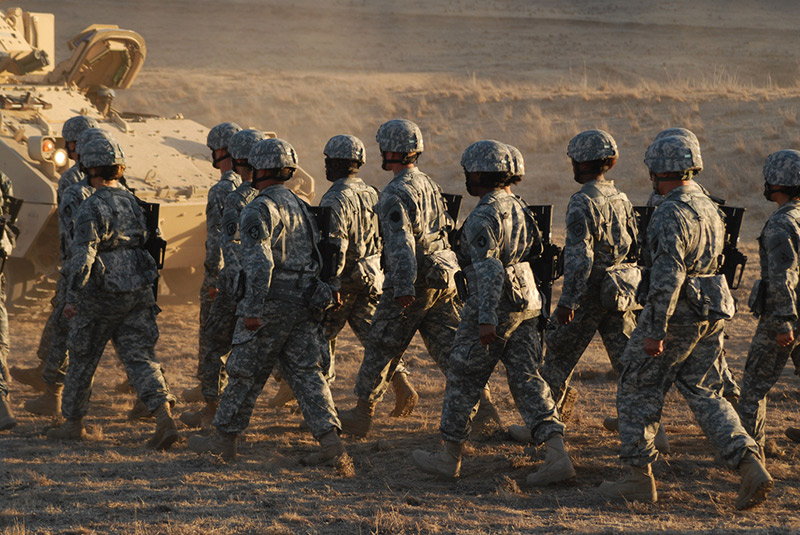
point(438, 329)
point(699, 380)
point(205, 307)
point(56, 361)
point(5, 345)
point(332, 325)
point(730, 388)
point(220, 325)
point(615, 330)
point(765, 362)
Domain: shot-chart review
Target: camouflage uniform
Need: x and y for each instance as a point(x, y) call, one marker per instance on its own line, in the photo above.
point(222, 313)
point(110, 281)
point(498, 235)
point(6, 190)
point(601, 229)
point(71, 176)
point(281, 266)
point(228, 182)
point(685, 238)
point(419, 262)
point(774, 302)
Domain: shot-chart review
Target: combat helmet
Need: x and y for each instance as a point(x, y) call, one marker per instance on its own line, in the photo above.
point(273, 153)
point(241, 142)
point(592, 145)
point(75, 125)
point(102, 152)
point(344, 147)
point(90, 134)
point(219, 136)
point(399, 135)
point(673, 154)
point(487, 156)
point(518, 161)
point(680, 132)
point(782, 168)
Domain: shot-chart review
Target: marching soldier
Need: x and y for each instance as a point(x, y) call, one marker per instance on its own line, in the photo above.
point(7, 240)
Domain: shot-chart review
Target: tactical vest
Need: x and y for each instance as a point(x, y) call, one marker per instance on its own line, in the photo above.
point(617, 227)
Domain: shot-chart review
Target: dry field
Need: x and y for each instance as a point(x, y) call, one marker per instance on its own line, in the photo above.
point(529, 73)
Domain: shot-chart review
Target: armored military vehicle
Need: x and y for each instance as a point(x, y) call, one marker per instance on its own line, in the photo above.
point(168, 161)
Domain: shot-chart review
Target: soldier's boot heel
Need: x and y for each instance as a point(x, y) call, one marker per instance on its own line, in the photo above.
point(405, 397)
point(48, 404)
point(282, 397)
point(139, 411)
point(793, 434)
point(557, 465)
point(487, 415)
point(566, 409)
point(72, 429)
point(639, 485)
point(611, 424)
point(330, 448)
point(193, 395)
point(358, 420)
point(445, 464)
point(203, 417)
point(30, 376)
point(756, 482)
point(7, 420)
point(520, 433)
point(222, 444)
point(166, 433)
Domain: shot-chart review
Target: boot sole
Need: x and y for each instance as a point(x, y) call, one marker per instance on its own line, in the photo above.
point(758, 496)
point(440, 476)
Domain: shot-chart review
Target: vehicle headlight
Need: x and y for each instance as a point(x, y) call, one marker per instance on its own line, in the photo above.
point(60, 158)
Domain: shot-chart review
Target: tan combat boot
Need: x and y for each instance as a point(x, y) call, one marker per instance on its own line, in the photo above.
point(222, 444)
point(30, 376)
point(282, 397)
point(557, 465)
point(203, 417)
point(611, 424)
point(566, 409)
point(49, 403)
point(793, 434)
point(445, 464)
point(639, 485)
point(358, 420)
point(193, 395)
point(7, 420)
point(330, 448)
point(139, 411)
point(487, 414)
point(756, 482)
point(405, 397)
point(166, 433)
point(520, 433)
point(69, 430)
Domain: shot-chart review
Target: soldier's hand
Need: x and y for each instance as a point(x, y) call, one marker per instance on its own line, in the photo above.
point(487, 333)
point(785, 339)
point(405, 301)
point(564, 315)
point(337, 300)
point(212, 292)
point(70, 311)
point(653, 347)
point(252, 324)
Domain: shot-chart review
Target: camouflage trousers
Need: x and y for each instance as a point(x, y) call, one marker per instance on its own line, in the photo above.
point(54, 338)
point(202, 336)
point(691, 361)
point(566, 343)
point(129, 321)
point(290, 337)
point(357, 310)
point(471, 365)
point(434, 313)
point(220, 325)
point(765, 362)
point(5, 342)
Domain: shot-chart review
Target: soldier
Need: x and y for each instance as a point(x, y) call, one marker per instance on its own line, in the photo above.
point(222, 313)
point(419, 292)
point(71, 131)
point(110, 296)
point(774, 297)
point(7, 240)
point(217, 142)
point(357, 276)
point(681, 325)
point(279, 316)
point(56, 361)
point(500, 319)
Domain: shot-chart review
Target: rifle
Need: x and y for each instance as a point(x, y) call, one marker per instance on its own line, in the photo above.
point(732, 263)
point(549, 265)
point(155, 244)
point(322, 215)
point(452, 204)
point(643, 216)
point(8, 220)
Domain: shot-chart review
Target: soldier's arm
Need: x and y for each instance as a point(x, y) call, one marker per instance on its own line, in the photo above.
point(230, 231)
point(338, 238)
point(88, 229)
point(578, 252)
point(782, 262)
point(667, 273)
point(257, 261)
point(481, 235)
point(398, 244)
point(67, 210)
point(214, 208)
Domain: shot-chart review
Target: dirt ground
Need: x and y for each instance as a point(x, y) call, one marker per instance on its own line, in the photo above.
point(532, 74)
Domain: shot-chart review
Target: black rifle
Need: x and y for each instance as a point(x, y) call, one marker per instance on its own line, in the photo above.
point(549, 265)
point(8, 220)
point(155, 244)
point(643, 216)
point(452, 204)
point(329, 253)
point(733, 261)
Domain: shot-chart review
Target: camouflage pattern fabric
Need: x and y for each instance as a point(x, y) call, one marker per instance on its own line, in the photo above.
point(498, 233)
point(281, 267)
point(109, 280)
point(400, 135)
point(414, 225)
point(488, 156)
point(71, 176)
point(685, 239)
point(673, 154)
point(601, 230)
point(775, 302)
point(592, 145)
point(782, 168)
point(231, 241)
point(6, 190)
point(344, 147)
